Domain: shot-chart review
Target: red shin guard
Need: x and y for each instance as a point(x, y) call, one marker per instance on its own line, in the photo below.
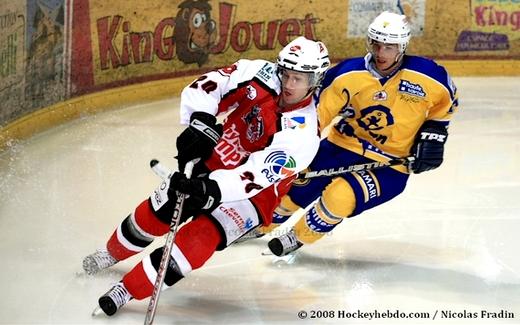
point(197, 241)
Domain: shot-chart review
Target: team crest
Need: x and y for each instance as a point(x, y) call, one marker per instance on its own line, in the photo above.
point(380, 96)
point(375, 118)
point(255, 124)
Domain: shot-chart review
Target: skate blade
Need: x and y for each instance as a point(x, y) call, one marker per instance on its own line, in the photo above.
point(282, 261)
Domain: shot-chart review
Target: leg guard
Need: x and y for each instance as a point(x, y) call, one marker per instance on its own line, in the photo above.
point(194, 244)
point(136, 232)
point(337, 202)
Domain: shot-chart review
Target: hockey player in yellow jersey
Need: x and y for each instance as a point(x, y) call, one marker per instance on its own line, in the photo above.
point(392, 105)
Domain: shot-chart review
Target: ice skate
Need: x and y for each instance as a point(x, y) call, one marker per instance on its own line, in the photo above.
point(114, 299)
point(284, 244)
point(98, 261)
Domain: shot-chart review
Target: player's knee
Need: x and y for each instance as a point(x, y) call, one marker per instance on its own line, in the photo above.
point(198, 240)
point(338, 199)
point(150, 221)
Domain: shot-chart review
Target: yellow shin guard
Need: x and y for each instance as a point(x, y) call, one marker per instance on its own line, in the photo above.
point(336, 203)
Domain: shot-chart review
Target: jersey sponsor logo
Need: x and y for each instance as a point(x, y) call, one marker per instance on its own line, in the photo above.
point(293, 122)
point(380, 96)
point(410, 88)
point(229, 149)
point(368, 184)
point(279, 164)
point(255, 124)
point(250, 92)
point(241, 224)
point(266, 72)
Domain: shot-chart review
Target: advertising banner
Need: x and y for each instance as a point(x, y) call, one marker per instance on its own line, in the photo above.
point(53, 50)
point(12, 53)
point(31, 55)
point(122, 42)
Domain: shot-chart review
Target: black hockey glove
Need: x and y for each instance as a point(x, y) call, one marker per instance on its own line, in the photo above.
point(204, 193)
point(428, 148)
point(198, 139)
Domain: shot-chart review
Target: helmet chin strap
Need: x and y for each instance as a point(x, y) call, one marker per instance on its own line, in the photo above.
point(393, 65)
point(310, 91)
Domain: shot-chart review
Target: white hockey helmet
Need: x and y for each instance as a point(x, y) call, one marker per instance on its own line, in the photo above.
point(390, 28)
point(304, 55)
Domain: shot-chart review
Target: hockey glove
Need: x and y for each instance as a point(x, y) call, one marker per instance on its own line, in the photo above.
point(204, 193)
point(428, 148)
point(198, 139)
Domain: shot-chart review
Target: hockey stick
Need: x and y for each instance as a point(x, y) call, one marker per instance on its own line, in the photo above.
point(159, 169)
point(163, 172)
point(355, 168)
point(161, 273)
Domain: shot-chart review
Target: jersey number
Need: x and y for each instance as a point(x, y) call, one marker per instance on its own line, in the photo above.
point(250, 186)
point(207, 86)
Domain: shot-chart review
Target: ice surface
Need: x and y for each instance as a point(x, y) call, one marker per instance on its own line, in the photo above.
point(449, 243)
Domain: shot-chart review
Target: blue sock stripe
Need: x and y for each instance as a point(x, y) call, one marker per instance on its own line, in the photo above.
point(279, 218)
point(328, 213)
point(316, 223)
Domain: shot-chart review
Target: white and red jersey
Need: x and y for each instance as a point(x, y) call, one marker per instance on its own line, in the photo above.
point(263, 145)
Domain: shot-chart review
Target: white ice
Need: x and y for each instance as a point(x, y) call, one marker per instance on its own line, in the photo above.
point(449, 243)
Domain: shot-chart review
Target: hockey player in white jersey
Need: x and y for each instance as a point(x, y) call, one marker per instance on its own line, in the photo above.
point(248, 164)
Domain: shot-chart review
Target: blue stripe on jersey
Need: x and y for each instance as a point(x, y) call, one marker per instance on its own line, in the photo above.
point(430, 68)
point(415, 63)
point(354, 64)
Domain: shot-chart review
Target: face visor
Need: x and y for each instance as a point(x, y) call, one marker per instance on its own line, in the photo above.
point(297, 79)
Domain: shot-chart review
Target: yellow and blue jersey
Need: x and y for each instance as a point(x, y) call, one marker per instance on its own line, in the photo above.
point(381, 115)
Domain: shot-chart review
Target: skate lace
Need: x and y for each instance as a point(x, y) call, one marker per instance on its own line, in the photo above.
point(103, 259)
point(119, 295)
point(289, 241)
